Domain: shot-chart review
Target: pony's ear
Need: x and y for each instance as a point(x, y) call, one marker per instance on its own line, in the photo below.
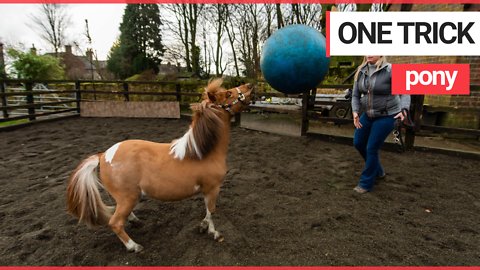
point(214, 85)
point(211, 96)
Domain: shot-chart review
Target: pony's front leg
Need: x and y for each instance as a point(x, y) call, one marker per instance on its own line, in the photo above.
point(210, 199)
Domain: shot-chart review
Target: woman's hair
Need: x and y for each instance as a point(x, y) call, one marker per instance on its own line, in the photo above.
point(379, 63)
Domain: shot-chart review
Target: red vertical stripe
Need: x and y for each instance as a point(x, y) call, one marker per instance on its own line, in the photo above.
point(327, 25)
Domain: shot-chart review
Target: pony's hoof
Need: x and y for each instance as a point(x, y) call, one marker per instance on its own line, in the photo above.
point(137, 248)
point(219, 238)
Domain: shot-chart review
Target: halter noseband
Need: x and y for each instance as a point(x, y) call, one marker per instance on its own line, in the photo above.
point(228, 105)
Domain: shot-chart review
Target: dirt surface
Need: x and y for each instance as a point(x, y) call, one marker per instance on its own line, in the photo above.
point(285, 201)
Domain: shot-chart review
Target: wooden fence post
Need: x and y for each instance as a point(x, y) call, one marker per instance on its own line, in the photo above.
point(125, 89)
point(178, 92)
point(305, 106)
point(4, 100)
point(416, 111)
point(237, 118)
point(78, 95)
point(30, 101)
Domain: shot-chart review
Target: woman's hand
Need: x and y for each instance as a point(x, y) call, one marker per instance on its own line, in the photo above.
point(356, 120)
point(400, 115)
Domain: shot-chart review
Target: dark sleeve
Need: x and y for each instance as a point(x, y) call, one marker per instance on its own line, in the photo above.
point(355, 98)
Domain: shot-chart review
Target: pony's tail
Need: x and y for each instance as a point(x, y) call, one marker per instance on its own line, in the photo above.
point(83, 196)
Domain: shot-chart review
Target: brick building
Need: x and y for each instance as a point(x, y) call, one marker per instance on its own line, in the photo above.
point(448, 110)
point(82, 67)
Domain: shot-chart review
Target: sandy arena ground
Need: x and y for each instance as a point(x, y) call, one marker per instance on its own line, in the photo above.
point(285, 201)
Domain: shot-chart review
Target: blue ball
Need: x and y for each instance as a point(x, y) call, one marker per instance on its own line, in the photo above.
point(294, 59)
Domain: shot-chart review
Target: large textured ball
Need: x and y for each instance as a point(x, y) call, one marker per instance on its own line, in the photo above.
point(294, 59)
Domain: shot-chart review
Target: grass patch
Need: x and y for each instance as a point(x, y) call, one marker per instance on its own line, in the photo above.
point(13, 122)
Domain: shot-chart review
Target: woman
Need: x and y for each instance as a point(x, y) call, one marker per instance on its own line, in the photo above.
point(375, 111)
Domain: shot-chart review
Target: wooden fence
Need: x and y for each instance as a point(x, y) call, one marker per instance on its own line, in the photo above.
point(33, 109)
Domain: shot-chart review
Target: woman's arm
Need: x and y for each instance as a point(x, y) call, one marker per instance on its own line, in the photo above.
point(355, 99)
point(356, 106)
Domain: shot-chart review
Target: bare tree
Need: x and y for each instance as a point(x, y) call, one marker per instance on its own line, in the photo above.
point(206, 54)
point(230, 36)
point(52, 21)
point(346, 7)
point(308, 14)
point(376, 7)
point(250, 24)
point(193, 15)
point(278, 9)
point(217, 18)
point(184, 27)
point(230, 29)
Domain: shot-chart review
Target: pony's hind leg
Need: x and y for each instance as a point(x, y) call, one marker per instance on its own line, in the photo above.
point(207, 223)
point(132, 217)
point(117, 223)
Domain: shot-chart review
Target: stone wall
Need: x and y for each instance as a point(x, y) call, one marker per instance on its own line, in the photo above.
point(143, 109)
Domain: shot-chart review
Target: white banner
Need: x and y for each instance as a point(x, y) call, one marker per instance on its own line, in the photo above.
point(404, 33)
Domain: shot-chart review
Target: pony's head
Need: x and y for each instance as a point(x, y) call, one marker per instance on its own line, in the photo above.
point(233, 100)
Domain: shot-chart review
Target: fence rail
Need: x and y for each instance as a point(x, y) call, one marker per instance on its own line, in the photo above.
point(38, 105)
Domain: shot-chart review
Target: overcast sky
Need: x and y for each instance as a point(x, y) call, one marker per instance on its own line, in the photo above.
point(103, 20)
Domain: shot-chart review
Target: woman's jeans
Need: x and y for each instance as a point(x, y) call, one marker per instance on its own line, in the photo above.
point(367, 140)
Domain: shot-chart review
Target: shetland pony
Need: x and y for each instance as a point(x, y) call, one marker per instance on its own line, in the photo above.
point(194, 163)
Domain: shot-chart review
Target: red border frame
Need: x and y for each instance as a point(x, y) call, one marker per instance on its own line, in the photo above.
point(237, 1)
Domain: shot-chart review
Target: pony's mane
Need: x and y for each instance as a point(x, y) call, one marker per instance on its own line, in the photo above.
point(204, 132)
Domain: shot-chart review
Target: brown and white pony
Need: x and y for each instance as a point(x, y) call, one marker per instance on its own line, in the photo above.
point(172, 171)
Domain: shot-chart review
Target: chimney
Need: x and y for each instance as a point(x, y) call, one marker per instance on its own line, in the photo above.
point(33, 50)
point(68, 49)
point(89, 55)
